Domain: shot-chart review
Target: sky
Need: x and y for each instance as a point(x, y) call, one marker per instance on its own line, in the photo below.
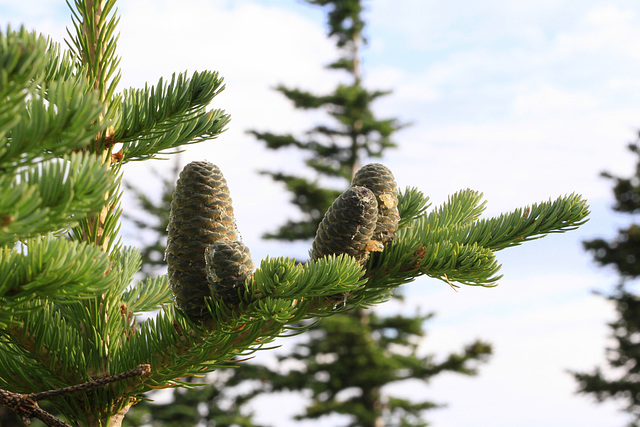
point(523, 101)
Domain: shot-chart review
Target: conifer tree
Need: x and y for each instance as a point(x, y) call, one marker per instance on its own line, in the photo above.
point(333, 151)
point(68, 318)
point(357, 350)
point(622, 252)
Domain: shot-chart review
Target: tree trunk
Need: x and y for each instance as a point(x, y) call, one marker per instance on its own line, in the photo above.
point(113, 421)
point(116, 420)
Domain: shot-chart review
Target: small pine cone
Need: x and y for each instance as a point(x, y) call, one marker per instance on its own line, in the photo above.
point(201, 214)
point(379, 179)
point(348, 226)
point(229, 265)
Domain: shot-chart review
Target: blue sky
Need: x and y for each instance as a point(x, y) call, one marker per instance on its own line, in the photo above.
point(520, 100)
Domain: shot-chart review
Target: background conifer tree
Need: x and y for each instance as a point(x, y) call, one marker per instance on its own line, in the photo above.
point(622, 252)
point(357, 350)
point(68, 321)
point(332, 151)
point(151, 220)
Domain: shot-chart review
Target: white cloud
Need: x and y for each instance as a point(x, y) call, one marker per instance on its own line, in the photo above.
point(549, 101)
point(247, 42)
point(538, 331)
point(521, 121)
point(604, 28)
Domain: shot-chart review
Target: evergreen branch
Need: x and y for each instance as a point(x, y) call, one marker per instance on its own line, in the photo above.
point(332, 275)
point(411, 205)
point(282, 278)
point(94, 42)
point(148, 295)
point(22, 56)
point(174, 347)
point(60, 65)
point(139, 371)
point(303, 99)
point(564, 214)
point(52, 346)
point(154, 110)
point(280, 292)
point(67, 114)
point(410, 413)
point(267, 279)
point(448, 261)
point(51, 268)
point(191, 128)
point(41, 198)
point(275, 141)
point(26, 406)
point(461, 208)
point(58, 349)
point(452, 245)
point(38, 112)
point(125, 264)
point(353, 101)
point(21, 59)
point(523, 224)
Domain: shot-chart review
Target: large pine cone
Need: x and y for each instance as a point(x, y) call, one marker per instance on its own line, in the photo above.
point(201, 214)
point(348, 226)
point(379, 179)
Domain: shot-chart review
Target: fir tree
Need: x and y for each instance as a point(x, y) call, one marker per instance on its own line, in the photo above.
point(622, 382)
point(68, 318)
point(348, 360)
point(357, 350)
point(333, 151)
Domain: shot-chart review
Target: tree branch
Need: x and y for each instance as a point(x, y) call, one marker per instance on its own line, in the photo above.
point(27, 407)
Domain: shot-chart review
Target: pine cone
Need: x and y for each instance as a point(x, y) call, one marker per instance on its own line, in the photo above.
point(228, 265)
point(379, 179)
point(201, 214)
point(348, 226)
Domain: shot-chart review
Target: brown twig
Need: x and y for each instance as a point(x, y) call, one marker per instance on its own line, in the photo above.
point(27, 407)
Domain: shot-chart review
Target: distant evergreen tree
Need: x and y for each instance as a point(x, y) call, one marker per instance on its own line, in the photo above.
point(349, 358)
point(211, 402)
point(332, 151)
point(152, 219)
point(357, 350)
point(623, 253)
